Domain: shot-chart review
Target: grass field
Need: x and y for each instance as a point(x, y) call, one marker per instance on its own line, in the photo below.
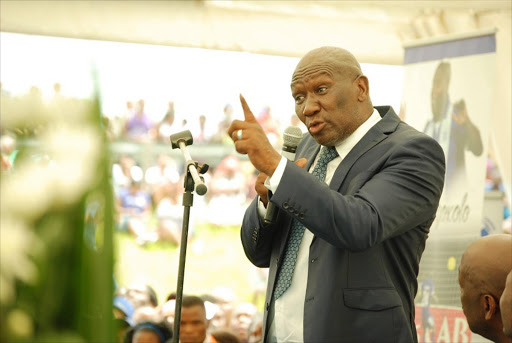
point(215, 257)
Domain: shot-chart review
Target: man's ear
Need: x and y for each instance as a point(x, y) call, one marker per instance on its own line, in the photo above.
point(363, 88)
point(490, 306)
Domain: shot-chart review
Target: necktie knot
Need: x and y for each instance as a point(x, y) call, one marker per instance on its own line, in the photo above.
point(327, 154)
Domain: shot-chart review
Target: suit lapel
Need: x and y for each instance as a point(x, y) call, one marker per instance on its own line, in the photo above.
point(377, 134)
point(310, 151)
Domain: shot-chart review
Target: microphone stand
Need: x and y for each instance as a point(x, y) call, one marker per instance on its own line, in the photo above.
point(192, 182)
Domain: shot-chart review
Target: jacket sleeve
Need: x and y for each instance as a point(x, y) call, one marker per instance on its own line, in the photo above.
point(397, 193)
point(257, 239)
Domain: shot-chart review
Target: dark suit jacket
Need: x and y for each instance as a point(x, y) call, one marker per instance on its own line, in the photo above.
point(370, 226)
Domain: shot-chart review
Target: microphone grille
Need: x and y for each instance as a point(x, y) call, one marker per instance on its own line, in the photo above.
point(292, 136)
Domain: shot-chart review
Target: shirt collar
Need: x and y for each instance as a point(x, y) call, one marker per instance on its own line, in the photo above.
point(344, 147)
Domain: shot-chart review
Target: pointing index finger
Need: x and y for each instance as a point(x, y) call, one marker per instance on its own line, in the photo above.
point(249, 117)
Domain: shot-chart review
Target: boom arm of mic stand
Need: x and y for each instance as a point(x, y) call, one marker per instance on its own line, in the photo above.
point(181, 140)
point(200, 187)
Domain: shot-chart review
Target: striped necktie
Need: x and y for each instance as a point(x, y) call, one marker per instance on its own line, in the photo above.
point(284, 278)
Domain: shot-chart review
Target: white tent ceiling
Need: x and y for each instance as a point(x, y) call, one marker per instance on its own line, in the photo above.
point(374, 31)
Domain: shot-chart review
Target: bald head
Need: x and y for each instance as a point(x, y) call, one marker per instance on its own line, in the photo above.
point(487, 261)
point(483, 269)
point(332, 96)
point(336, 60)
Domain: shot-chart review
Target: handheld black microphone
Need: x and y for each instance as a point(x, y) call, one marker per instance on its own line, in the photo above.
point(291, 139)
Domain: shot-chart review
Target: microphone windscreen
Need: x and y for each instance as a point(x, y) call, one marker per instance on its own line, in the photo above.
point(292, 136)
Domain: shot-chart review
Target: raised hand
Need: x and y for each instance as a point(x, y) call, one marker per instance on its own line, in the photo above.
point(250, 139)
point(260, 187)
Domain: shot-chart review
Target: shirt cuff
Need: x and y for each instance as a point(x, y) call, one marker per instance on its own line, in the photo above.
point(273, 181)
point(262, 211)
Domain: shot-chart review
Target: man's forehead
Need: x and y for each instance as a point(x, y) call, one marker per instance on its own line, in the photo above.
point(194, 309)
point(296, 79)
point(315, 62)
point(330, 64)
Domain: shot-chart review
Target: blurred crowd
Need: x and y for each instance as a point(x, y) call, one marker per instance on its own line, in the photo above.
point(148, 206)
point(207, 318)
point(148, 185)
point(136, 125)
point(149, 200)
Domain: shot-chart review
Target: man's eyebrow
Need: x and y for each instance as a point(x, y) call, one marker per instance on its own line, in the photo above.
point(310, 78)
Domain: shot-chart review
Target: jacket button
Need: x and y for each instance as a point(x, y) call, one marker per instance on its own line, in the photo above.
point(302, 216)
point(285, 204)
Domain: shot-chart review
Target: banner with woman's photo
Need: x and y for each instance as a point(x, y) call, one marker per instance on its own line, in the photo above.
point(448, 88)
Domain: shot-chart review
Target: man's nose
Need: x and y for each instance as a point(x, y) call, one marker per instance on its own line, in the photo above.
point(311, 106)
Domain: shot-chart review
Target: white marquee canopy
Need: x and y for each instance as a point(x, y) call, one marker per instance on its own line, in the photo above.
point(375, 31)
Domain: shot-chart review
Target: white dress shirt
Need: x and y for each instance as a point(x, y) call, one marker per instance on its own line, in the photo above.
point(287, 325)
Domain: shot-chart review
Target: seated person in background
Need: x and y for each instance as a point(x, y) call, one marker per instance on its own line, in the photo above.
point(145, 302)
point(161, 174)
point(227, 193)
point(8, 151)
point(220, 135)
point(166, 126)
point(134, 209)
point(167, 311)
point(242, 320)
point(147, 313)
point(164, 180)
point(483, 269)
point(506, 306)
point(122, 172)
point(140, 295)
point(256, 329)
point(202, 132)
point(270, 126)
point(140, 127)
point(149, 332)
point(225, 299)
point(123, 308)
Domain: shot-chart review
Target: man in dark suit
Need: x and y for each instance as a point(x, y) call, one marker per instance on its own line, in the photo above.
point(344, 251)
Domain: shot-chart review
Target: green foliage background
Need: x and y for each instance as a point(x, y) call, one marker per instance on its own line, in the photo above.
point(69, 297)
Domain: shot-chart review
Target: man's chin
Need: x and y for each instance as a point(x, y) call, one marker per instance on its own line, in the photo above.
point(325, 140)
